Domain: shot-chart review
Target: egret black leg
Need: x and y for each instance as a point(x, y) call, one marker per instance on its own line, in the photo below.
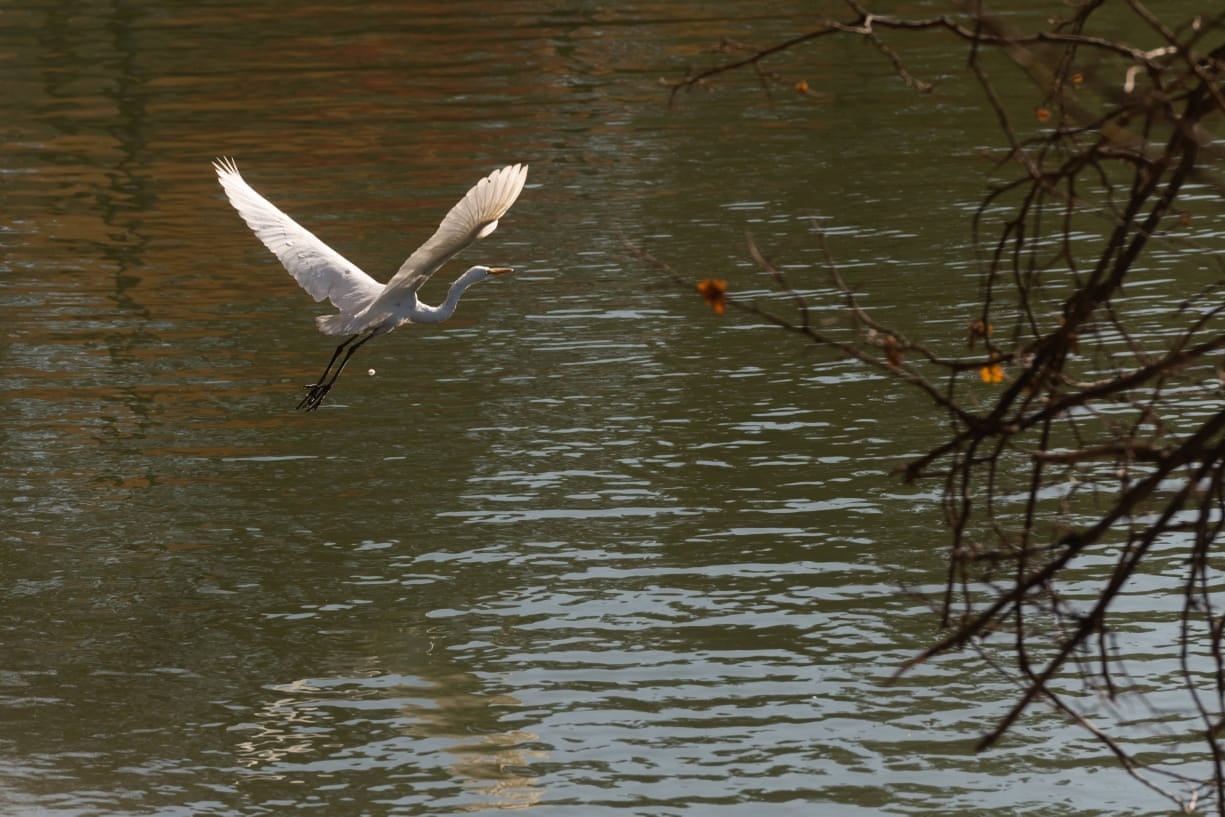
point(319, 390)
point(322, 383)
point(335, 355)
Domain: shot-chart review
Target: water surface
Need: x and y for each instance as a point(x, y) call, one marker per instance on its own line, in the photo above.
point(587, 548)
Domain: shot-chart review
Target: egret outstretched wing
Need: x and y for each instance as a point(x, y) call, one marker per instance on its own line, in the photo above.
point(475, 216)
point(320, 270)
point(367, 308)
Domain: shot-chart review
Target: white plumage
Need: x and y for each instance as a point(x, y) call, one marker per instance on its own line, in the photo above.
point(366, 307)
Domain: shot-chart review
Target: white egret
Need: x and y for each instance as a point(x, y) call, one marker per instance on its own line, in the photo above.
point(367, 308)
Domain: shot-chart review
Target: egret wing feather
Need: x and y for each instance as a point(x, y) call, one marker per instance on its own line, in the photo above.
point(475, 216)
point(318, 269)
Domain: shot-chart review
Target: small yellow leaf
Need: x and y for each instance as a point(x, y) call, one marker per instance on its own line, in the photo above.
point(992, 373)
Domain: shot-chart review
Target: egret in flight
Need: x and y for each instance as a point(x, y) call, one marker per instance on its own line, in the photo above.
point(367, 308)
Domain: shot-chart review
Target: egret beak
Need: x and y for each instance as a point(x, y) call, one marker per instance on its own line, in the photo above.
point(499, 270)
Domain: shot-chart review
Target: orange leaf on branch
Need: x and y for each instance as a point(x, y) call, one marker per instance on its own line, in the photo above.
point(714, 293)
point(978, 329)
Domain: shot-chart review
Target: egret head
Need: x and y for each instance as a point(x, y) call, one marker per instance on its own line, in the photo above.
point(474, 275)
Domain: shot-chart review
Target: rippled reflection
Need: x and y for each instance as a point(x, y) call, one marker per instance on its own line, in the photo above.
point(586, 548)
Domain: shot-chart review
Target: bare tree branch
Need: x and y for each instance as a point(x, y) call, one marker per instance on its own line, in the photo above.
point(1085, 396)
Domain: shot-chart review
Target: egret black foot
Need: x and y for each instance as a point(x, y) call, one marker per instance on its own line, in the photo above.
point(314, 395)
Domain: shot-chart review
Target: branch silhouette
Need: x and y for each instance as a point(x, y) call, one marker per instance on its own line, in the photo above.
point(1085, 396)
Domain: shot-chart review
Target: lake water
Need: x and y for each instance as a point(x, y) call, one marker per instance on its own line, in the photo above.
point(587, 549)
